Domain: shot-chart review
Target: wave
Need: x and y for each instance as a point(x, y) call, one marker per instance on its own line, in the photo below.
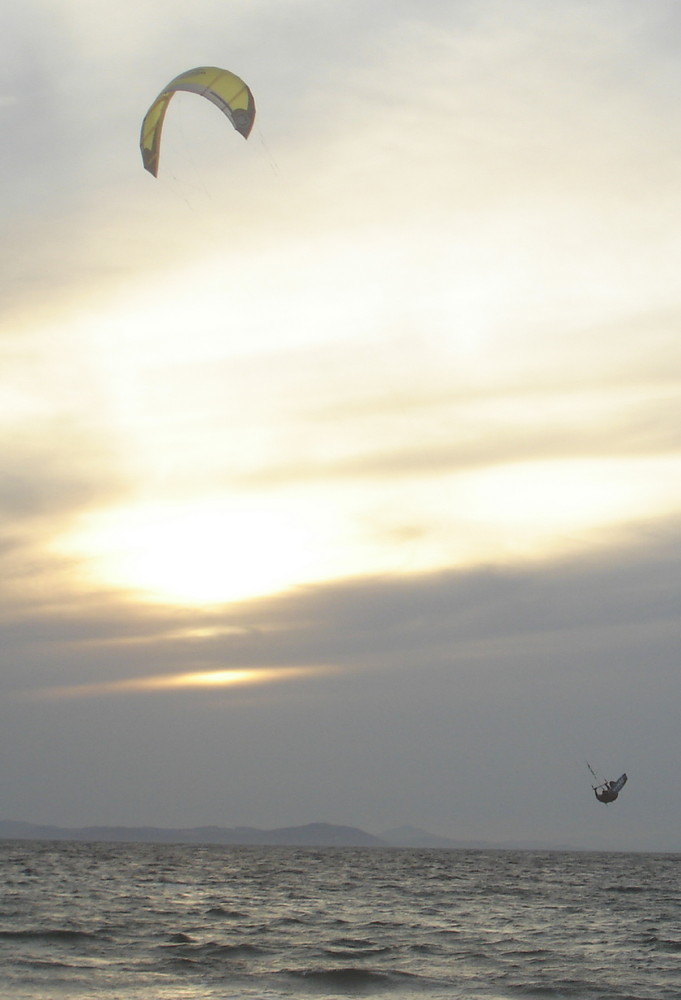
point(44, 963)
point(348, 942)
point(53, 934)
point(214, 949)
point(220, 911)
point(672, 946)
point(210, 956)
point(349, 978)
point(661, 944)
point(356, 952)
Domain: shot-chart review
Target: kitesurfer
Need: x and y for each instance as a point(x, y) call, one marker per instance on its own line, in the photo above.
point(609, 790)
point(605, 792)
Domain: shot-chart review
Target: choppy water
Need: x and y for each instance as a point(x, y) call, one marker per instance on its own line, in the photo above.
point(147, 922)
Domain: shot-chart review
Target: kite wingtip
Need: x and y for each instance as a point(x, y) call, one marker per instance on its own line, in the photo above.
point(150, 164)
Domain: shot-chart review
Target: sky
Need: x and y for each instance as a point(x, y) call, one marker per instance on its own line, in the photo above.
point(341, 467)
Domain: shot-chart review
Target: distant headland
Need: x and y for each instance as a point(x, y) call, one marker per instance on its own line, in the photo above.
point(309, 835)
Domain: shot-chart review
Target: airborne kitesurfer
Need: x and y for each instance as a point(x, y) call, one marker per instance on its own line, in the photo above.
point(609, 790)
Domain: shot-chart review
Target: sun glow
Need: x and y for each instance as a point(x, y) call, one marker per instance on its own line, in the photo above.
point(234, 548)
point(274, 441)
point(202, 553)
point(246, 677)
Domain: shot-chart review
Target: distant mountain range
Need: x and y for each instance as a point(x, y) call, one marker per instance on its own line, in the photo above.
point(314, 834)
point(310, 835)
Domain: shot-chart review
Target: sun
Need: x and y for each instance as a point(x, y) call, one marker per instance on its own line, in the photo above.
point(229, 548)
point(200, 553)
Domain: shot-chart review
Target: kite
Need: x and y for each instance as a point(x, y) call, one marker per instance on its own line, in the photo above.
point(226, 90)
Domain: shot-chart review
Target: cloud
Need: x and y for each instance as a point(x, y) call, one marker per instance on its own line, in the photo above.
point(378, 622)
point(206, 679)
point(526, 110)
point(442, 682)
point(39, 484)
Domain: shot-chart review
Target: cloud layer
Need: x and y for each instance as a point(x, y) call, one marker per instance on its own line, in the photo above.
point(383, 401)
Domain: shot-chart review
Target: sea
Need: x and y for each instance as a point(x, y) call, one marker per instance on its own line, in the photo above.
point(98, 921)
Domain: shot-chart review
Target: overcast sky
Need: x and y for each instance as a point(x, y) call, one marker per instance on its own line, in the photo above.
point(341, 467)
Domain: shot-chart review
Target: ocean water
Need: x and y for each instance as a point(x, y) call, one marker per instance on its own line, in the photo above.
point(148, 922)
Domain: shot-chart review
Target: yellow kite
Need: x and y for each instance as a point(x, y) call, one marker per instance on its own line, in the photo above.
point(223, 88)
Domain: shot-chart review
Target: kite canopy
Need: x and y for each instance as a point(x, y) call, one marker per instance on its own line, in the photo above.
point(617, 786)
point(223, 88)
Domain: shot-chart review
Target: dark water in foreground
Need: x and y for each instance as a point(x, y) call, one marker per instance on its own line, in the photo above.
point(147, 922)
